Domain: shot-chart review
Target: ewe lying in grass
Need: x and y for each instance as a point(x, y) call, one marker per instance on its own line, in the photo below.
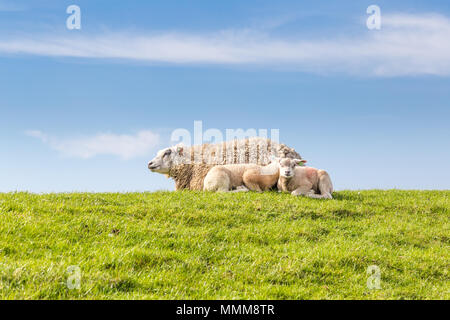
point(305, 181)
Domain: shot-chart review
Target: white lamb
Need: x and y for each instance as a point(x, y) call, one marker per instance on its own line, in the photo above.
point(242, 177)
point(307, 181)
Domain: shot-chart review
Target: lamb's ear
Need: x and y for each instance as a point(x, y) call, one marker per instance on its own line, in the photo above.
point(180, 150)
point(300, 162)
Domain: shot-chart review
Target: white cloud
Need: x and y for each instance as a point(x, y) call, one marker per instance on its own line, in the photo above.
point(405, 45)
point(121, 145)
point(37, 134)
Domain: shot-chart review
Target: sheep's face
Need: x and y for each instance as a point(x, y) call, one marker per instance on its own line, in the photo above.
point(163, 161)
point(287, 166)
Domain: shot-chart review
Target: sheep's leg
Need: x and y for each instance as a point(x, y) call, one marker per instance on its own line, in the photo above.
point(253, 186)
point(241, 189)
point(250, 179)
point(301, 191)
point(217, 180)
point(325, 186)
point(325, 195)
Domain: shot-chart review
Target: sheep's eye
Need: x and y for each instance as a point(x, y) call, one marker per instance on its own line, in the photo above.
point(167, 153)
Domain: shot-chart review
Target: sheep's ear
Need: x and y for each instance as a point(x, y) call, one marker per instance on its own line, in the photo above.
point(179, 149)
point(300, 162)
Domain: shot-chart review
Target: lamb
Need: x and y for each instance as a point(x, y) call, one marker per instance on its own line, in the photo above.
point(262, 178)
point(305, 181)
point(188, 166)
point(242, 177)
point(226, 177)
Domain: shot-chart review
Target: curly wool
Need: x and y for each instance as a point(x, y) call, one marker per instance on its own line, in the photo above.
point(255, 150)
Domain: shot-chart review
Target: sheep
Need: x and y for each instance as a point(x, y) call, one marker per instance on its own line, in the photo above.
point(188, 166)
point(242, 177)
point(305, 181)
point(226, 177)
point(262, 178)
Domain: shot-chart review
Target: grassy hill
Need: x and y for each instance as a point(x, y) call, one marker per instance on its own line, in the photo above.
point(187, 245)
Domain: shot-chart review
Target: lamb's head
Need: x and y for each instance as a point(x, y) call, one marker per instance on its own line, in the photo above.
point(165, 159)
point(287, 166)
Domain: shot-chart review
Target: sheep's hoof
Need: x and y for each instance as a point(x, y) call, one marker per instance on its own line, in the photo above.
point(240, 189)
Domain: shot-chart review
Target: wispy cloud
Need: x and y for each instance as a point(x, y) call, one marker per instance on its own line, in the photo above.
point(121, 145)
point(405, 45)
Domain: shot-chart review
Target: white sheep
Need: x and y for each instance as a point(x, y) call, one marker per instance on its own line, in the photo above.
point(226, 177)
point(242, 177)
point(307, 181)
point(262, 178)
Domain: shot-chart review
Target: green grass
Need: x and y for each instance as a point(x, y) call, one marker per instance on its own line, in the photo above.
point(194, 245)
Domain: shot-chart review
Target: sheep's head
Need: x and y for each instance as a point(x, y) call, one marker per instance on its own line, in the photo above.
point(165, 159)
point(287, 166)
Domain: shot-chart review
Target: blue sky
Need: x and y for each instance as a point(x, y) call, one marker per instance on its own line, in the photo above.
point(371, 107)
